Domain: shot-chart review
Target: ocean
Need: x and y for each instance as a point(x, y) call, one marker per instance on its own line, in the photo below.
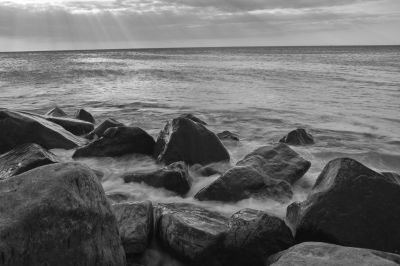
point(348, 98)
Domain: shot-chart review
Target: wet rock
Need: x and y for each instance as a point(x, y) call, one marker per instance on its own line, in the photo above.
point(227, 135)
point(84, 115)
point(174, 177)
point(183, 139)
point(242, 182)
point(18, 128)
point(57, 112)
point(253, 236)
point(75, 126)
point(279, 162)
point(193, 118)
point(118, 141)
point(393, 176)
point(99, 174)
point(102, 127)
point(298, 137)
point(24, 158)
point(57, 215)
point(350, 205)
point(190, 232)
point(135, 222)
point(316, 254)
point(117, 197)
point(211, 169)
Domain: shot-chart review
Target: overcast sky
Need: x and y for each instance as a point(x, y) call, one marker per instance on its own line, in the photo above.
point(95, 24)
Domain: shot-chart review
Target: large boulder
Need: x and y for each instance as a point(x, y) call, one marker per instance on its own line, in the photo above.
point(57, 112)
point(183, 139)
point(174, 177)
point(135, 222)
point(317, 254)
point(298, 137)
point(75, 126)
point(118, 141)
point(102, 127)
point(192, 233)
point(242, 182)
point(57, 215)
point(17, 128)
point(84, 115)
point(253, 236)
point(24, 158)
point(350, 205)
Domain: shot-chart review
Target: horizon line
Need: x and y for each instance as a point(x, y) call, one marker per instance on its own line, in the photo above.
point(193, 47)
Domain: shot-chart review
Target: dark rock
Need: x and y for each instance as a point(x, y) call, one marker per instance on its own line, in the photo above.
point(24, 158)
point(57, 215)
point(117, 197)
point(350, 205)
point(135, 222)
point(253, 236)
point(18, 128)
point(393, 176)
point(242, 182)
point(57, 112)
point(227, 135)
point(75, 126)
point(211, 169)
point(193, 118)
point(102, 127)
point(279, 162)
point(174, 177)
point(190, 232)
point(298, 137)
point(317, 254)
point(189, 141)
point(117, 141)
point(84, 115)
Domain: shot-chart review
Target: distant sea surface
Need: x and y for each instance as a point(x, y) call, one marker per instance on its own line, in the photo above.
point(348, 98)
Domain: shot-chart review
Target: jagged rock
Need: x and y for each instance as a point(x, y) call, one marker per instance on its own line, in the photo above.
point(84, 115)
point(135, 222)
point(193, 118)
point(190, 232)
point(24, 158)
point(253, 236)
point(57, 112)
point(17, 128)
point(242, 182)
point(227, 135)
point(298, 137)
point(350, 205)
point(117, 141)
point(174, 177)
point(75, 126)
point(183, 139)
point(102, 127)
point(317, 254)
point(57, 215)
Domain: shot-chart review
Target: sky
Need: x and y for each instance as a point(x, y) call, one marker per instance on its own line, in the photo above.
point(27, 25)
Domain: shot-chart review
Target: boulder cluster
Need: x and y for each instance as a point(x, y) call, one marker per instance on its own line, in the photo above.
point(57, 213)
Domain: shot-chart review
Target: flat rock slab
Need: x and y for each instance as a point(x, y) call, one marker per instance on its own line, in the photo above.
point(24, 158)
point(75, 126)
point(18, 128)
point(317, 254)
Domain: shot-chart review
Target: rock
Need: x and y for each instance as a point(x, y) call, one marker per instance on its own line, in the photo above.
point(18, 128)
point(227, 135)
point(253, 236)
point(117, 197)
point(316, 254)
point(75, 126)
point(135, 222)
point(118, 141)
point(24, 158)
point(392, 175)
point(189, 141)
point(242, 182)
point(193, 118)
point(190, 232)
point(175, 177)
point(298, 137)
point(102, 127)
point(84, 115)
point(211, 169)
point(279, 162)
point(350, 205)
point(57, 112)
point(57, 215)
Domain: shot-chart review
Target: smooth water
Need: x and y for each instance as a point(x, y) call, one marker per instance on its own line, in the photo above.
point(347, 97)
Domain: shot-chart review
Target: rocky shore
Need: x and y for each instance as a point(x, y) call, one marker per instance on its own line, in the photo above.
point(54, 212)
